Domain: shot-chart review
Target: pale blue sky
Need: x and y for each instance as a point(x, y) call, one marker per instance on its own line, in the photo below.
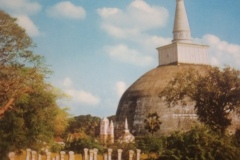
point(98, 48)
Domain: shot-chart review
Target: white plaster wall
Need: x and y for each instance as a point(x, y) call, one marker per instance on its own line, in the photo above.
point(187, 53)
point(193, 54)
point(168, 55)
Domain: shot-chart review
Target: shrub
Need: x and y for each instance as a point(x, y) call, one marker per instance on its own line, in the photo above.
point(201, 144)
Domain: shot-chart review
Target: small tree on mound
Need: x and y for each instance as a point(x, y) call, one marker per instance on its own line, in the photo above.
point(152, 123)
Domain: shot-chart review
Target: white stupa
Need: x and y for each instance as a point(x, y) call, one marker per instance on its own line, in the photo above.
point(182, 50)
point(126, 137)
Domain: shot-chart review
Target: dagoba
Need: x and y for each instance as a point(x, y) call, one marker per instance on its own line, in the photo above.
point(142, 97)
point(126, 136)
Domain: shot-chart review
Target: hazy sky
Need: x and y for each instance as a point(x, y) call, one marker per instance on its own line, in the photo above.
point(98, 48)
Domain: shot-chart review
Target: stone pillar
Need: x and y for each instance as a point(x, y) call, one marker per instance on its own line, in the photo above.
point(85, 154)
point(138, 154)
point(53, 159)
point(109, 154)
point(57, 157)
point(91, 154)
point(48, 155)
point(119, 154)
point(11, 156)
point(34, 155)
point(39, 157)
point(28, 154)
point(62, 153)
point(131, 152)
point(71, 155)
point(105, 156)
point(95, 152)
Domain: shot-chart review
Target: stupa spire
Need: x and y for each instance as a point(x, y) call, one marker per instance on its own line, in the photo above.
point(181, 29)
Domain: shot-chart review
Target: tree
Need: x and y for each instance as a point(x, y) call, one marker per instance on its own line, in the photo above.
point(78, 145)
point(150, 145)
point(61, 121)
point(28, 108)
point(31, 122)
point(18, 64)
point(152, 123)
point(199, 143)
point(85, 123)
point(214, 91)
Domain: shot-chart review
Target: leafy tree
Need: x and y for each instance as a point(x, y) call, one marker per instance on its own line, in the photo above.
point(61, 121)
point(150, 145)
point(31, 123)
point(152, 123)
point(78, 145)
point(18, 64)
point(28, 108)
point(85, 123)
point(199, 143)
point(215, 93)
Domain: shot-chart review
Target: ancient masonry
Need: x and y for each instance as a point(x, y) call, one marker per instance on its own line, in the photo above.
point(142, 97)
point(106, 131)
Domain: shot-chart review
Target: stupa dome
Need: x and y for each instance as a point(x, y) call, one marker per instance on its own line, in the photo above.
point(142, 97)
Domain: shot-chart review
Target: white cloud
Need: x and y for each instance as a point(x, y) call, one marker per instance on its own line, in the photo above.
point(156, 41)
point(25, 22)
point(67, 10)
point(21, 6)
point(138, 17)
point(133, 24)
point(120, 87)
point(67, 82)
point(108, 12)
point(123, 53)
point(79, 96)
point(22, 9)
point(222, 52)
point(121, 32)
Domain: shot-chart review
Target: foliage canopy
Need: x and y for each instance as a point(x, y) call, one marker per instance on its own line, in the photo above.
point(19, 66)
point(215, 93)
point(28, 109)
point(85, 123)
point(200, 143)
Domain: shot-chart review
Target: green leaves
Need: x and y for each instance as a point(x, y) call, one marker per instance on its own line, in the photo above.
point(199, 143)
point(152, 122)
point(19, 66)
point(86, 123)
point(28, 108)
point(214, 91)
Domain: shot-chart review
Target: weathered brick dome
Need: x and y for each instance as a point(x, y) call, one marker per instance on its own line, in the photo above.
point(142, 97)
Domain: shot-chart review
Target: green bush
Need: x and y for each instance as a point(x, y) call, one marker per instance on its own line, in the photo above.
point(199, 144)
point(56, 148)
point(149, 144)
point(78, 145)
